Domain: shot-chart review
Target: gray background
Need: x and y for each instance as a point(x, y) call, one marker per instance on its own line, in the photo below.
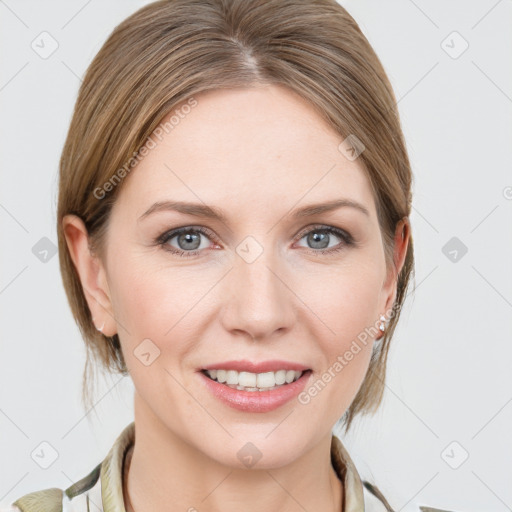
point(449, 389)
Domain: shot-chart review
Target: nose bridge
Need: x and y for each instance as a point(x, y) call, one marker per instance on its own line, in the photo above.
point(259, 302)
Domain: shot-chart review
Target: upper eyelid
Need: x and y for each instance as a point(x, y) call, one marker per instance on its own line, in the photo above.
point(326, 227)
point(171, 233)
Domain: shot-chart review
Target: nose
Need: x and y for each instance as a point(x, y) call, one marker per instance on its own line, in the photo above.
point(258, 300)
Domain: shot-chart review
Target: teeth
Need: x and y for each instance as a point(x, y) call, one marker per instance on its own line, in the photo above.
point(232, 377)
point(254, 381)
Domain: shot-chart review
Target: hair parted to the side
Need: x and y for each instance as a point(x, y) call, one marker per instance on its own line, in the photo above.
point(170, 51)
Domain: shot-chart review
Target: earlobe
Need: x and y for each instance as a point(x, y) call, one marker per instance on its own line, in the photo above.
point(91, 272)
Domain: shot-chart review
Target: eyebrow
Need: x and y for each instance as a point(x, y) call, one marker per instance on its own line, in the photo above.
point(203, 210)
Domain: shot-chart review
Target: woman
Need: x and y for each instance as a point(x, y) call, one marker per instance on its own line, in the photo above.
point(264, 134)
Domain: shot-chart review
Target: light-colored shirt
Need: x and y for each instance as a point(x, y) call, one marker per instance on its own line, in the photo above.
point(102, 489)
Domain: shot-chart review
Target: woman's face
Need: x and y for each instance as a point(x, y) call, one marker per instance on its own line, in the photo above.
point(264, 283)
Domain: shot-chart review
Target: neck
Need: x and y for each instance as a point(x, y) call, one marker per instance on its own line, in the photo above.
point(162, 469)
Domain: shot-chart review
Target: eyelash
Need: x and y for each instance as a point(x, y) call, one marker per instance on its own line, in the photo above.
point(168, 235)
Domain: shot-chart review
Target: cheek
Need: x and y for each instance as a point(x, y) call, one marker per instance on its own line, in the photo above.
point(353, 321)
point(348, 307)
point(347, 303)
point(153, 301)
point(348, 299)
point(147, 301)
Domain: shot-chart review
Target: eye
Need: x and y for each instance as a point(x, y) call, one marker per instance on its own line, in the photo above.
point(320, 238)
point(188, 240)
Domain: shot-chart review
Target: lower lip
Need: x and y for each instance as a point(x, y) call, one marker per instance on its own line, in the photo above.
point(256, 401)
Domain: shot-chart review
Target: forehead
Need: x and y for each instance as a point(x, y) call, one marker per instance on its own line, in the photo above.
point(255, 150)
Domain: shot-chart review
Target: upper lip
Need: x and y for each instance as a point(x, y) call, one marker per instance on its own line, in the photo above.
point(252, 367)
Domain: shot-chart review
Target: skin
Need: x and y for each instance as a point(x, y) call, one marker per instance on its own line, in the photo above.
point(255, 153)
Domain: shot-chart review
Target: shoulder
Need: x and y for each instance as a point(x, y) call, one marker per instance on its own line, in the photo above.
point(360, 493)
point(101, 488)
point(374, 501)
point(86, 490)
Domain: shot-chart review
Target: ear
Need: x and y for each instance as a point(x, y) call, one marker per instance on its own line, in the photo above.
point(401, 242)
point(92, 274)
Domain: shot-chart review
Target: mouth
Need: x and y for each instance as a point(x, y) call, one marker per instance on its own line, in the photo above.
point(255, 393)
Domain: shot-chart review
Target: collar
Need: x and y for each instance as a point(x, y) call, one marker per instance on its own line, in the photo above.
point(112, 471)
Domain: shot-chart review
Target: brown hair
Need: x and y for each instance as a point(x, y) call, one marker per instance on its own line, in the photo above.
point(170, 50)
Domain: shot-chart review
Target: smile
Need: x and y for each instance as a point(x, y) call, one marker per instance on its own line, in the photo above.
point(254, 398)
